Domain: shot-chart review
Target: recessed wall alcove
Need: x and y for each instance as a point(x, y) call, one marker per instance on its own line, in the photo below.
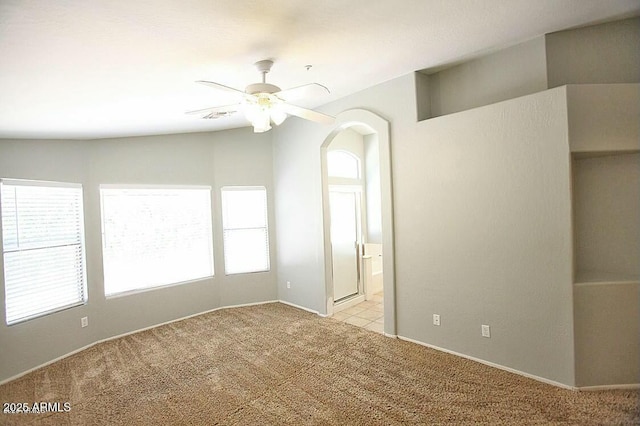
point(605, 167)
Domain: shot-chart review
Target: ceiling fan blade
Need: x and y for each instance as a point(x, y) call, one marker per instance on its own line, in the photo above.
point(307, 114)
point(311, 90)
point(221, 87)
point(215, 110)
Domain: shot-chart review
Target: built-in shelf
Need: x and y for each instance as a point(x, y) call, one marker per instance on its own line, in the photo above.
point(605, 165)
point(604, 278)
point(606, 208)
point(581, 155)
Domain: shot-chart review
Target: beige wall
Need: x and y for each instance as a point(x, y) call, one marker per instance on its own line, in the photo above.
point(482, 224)
point(491, 216)
point(508, 73)
point(482, 212)
point(604, 117)
point(235, 157)
point(605, 53)
point(607, 330)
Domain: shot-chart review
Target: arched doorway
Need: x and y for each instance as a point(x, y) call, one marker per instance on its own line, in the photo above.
point(375, 131)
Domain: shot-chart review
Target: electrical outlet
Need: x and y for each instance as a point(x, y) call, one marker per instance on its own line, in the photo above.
point(84, 321)
point(486, 331)
point(288, 284)
point(436, 319)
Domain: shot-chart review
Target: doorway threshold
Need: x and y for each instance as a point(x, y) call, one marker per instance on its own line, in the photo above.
point(343, 304)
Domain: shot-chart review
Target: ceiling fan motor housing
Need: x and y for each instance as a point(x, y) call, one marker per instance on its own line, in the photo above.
point(252, 89)
point(264, 67)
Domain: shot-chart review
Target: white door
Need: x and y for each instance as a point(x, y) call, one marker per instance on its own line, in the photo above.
point(344, 242)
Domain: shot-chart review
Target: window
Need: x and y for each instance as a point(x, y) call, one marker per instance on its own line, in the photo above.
point(246, 236)
point(343, 164)
point(42, 247)
point(155, 236)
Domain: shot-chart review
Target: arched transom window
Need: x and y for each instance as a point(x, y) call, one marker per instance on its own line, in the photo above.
point(343, 164)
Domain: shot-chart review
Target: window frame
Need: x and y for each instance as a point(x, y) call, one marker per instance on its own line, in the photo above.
point(83, 287)
point(344, 154)
point(210, 229)
point(237, 188)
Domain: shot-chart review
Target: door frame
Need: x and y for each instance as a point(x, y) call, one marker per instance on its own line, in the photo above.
point(366, 123)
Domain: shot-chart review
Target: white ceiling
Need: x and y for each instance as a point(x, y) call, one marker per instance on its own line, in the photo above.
point(88, 69)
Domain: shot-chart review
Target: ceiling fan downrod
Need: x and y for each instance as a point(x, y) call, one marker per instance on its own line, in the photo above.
point(264, 67)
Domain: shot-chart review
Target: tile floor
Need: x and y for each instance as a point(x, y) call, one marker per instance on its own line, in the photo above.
point(368, 314)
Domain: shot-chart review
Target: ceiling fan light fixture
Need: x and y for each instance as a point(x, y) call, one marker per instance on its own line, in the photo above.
point(277, 114)
point(262, 109)
point(262, 125)
point(259, 117)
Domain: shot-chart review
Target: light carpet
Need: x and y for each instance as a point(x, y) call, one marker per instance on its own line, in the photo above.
point(274, 364)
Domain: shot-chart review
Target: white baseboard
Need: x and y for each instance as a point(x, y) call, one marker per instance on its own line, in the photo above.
point(61, 357)
point(491, 364)
point(303, 308)
point(17, 376)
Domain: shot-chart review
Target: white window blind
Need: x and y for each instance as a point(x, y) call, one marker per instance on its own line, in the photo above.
point(246, 234)
point(43, 248)
point(155, 236)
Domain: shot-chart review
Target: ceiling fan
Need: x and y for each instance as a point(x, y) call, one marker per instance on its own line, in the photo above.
point(264, 103)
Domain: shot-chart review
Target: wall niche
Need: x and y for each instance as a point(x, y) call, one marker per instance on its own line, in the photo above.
point(606, 205)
